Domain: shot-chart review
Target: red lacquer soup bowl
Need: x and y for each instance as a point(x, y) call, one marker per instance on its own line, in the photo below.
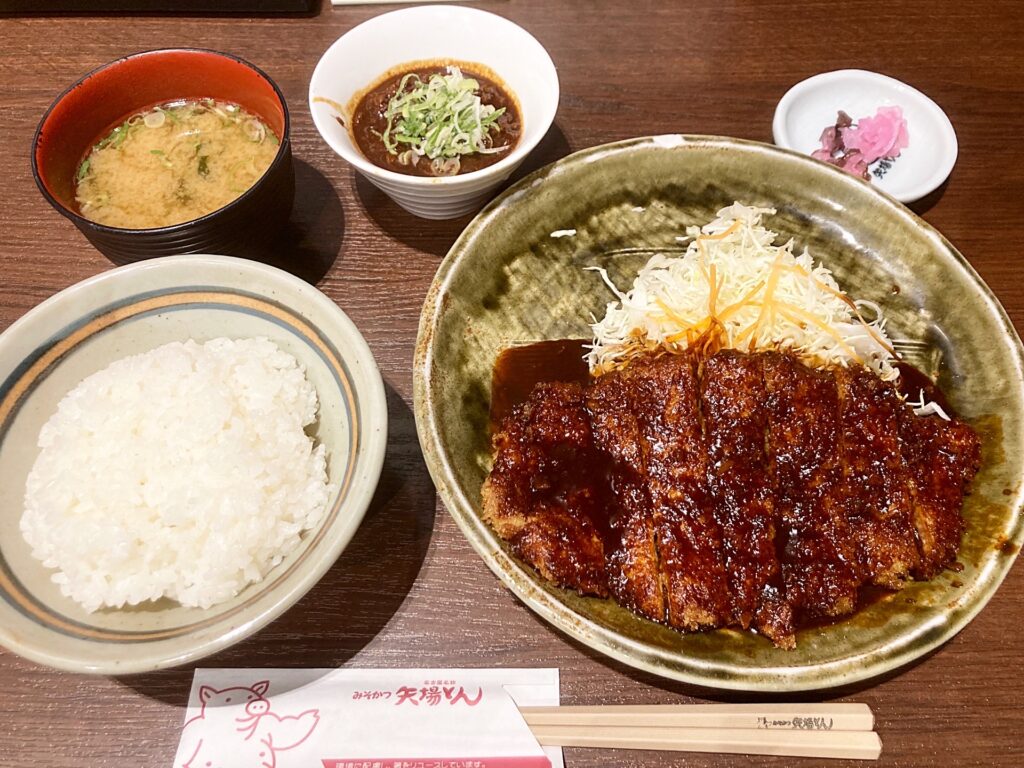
point(104, 98)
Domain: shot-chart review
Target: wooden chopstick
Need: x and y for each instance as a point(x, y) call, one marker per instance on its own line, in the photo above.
point(827, 717)
point(794, 730)
point(855, 745)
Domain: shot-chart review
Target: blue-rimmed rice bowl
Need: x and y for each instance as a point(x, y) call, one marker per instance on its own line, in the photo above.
point(134, 309)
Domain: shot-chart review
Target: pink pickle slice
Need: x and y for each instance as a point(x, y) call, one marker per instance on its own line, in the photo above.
point(884, 135)
point(854, 146)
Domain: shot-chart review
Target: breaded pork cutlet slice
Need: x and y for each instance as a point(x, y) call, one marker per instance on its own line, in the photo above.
point(634, 576)
point(813, 539)
point(942, 458)
point(663, 396)
point(877, 484)
point(689, 540)
point(733, 407)
point(544, 495)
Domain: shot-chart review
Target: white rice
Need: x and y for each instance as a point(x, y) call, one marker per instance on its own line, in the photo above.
point(184, 472)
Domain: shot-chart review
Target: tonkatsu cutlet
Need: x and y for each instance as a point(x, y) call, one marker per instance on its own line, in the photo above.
point(646, 417)
point(877, 500)
point(936, 452)
point(802, 441)
point(738, 489)
point(635, 577)
point(545, 494)
point(733, 405)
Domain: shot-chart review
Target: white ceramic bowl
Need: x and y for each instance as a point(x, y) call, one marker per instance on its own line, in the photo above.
point(811, 105)
point(134, 309)
point(364, 53)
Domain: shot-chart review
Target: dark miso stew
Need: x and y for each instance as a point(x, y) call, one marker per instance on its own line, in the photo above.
point(423, 140)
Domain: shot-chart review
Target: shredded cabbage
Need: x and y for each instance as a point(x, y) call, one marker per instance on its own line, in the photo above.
point(924, 407)
point(733, 288)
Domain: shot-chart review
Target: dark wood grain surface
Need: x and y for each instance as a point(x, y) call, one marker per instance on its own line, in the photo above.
point(409, 591)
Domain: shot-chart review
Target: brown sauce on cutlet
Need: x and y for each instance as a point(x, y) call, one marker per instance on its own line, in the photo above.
point(547, 494)
point(820, 489)
point(877, 482)
point(633, 568)
point(813, 540)
point(517, 370)
point(646, 417)
point(733, 405)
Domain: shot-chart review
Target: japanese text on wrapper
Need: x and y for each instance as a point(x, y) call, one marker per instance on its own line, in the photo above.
point(431, 693)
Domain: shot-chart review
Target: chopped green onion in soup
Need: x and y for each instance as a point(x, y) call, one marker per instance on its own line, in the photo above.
point(173, 163)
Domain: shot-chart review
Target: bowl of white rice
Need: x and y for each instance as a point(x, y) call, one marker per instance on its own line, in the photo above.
point(187, 445)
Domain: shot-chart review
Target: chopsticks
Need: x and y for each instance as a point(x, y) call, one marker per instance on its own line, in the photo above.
point(835, 717)
point(796, 730)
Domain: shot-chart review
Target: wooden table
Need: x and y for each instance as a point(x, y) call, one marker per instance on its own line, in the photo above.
point(409, 591)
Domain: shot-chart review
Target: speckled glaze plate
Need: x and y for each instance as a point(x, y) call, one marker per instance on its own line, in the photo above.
point(508, 279)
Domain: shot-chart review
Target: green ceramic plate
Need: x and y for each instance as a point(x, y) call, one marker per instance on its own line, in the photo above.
point(508, 279)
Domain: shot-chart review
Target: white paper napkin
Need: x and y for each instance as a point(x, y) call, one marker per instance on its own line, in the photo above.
point(365, 718)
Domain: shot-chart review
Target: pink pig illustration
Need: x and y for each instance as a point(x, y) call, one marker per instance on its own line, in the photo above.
point(223, 735)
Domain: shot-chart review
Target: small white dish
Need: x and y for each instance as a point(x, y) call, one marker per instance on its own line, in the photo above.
point(811, 106)
point(427, 33)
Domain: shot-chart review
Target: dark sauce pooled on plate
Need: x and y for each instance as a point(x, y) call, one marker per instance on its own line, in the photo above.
point(912, 382)
point(517, 370)
point(368, 117)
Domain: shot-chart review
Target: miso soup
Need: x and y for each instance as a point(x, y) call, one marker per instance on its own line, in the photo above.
point(173, 163)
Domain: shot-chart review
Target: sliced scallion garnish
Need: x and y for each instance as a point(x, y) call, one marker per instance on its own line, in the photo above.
point(441, 118)
point(163, 159)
